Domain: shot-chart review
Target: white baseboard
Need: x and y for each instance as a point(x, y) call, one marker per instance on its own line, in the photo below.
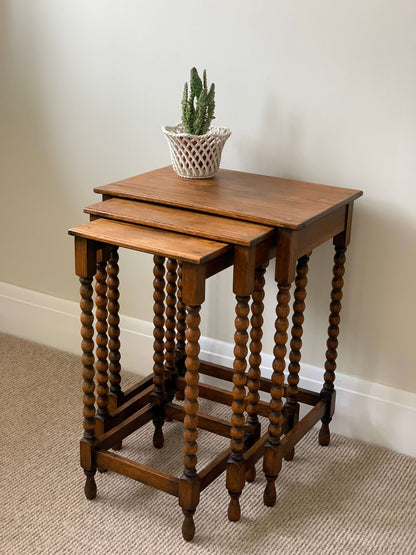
point(365, 410)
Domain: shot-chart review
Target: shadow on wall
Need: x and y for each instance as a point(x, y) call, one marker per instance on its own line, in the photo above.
point(380, 281)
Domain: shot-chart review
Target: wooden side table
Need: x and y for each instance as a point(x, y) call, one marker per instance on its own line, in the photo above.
point(257, 218)
point(96, 243)
point(304, 215)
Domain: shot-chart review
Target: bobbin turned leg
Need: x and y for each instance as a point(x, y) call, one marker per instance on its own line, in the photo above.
point(101, 341)
point(253, 382)
point(159, 394)
point(180, 332)
point(328, 390)
point(235, 466)
point(291, 407)
point(189, 486)
point(85, 268)
point(115, 397)
point(170, 325)
point(88, 387)
point(113, 307)
point(101, 350)
point(272, 460)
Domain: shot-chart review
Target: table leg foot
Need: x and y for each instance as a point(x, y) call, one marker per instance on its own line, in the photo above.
point(235, 481)
point(324, 434)
point(188, 526)
point(90, 487)
point(234, 511)
point(269, 496)
point(158, 439)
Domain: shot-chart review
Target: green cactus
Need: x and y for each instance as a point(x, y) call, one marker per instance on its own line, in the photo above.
point(198, 104)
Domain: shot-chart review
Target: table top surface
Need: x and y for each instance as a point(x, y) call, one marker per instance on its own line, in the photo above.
point(153, 241)
point(256, 198)
point(190, 222)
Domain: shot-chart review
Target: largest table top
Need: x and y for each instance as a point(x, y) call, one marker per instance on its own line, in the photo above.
point(257, 198)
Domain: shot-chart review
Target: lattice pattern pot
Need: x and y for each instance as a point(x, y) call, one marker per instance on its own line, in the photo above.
point(196, 156)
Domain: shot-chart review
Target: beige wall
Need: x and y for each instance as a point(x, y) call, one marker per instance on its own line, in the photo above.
point(322, 91)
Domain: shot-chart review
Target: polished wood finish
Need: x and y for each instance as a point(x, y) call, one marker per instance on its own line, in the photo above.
point(181, 221)
point(88, 385)
point(144, 239)
point(101, 342)
point(131, 406)
point(244, 268)
point(159, 393)
point(291, 407)
point(272, 461)
point(113, 308)
point(219, 395)
point(244, 236)
point(287, 443)
point(170, 324)
point(303, 427)
point(85, 258)
point(235, 466)
point(132, 410)
point(263, 199)
point(199, 229)
point(180, 317)
point(140, 472)
point(189, 487)
point(254, 375)
point(218, 371)
point(125, 428)
point(328, 390)
point(293, 244)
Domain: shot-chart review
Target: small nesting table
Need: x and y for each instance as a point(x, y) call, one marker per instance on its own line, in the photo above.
point(292, 219)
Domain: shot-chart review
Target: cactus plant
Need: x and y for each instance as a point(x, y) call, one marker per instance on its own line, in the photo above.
point(198, 104)
point(196, 146)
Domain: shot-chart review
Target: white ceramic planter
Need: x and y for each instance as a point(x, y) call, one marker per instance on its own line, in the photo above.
point(196, 156)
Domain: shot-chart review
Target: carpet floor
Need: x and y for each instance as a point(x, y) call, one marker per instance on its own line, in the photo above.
point(348, 498)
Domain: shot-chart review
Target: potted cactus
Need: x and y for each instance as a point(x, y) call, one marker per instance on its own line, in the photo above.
point(195, 146)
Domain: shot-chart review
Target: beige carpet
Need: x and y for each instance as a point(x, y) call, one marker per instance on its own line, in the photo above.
point(349, 498)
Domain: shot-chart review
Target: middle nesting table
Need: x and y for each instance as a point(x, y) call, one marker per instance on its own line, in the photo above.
point(252, 246)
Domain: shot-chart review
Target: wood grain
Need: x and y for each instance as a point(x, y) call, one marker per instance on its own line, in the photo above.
point(256, 198)
point(140, 472)
point(182, 221)
point(145, 239)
